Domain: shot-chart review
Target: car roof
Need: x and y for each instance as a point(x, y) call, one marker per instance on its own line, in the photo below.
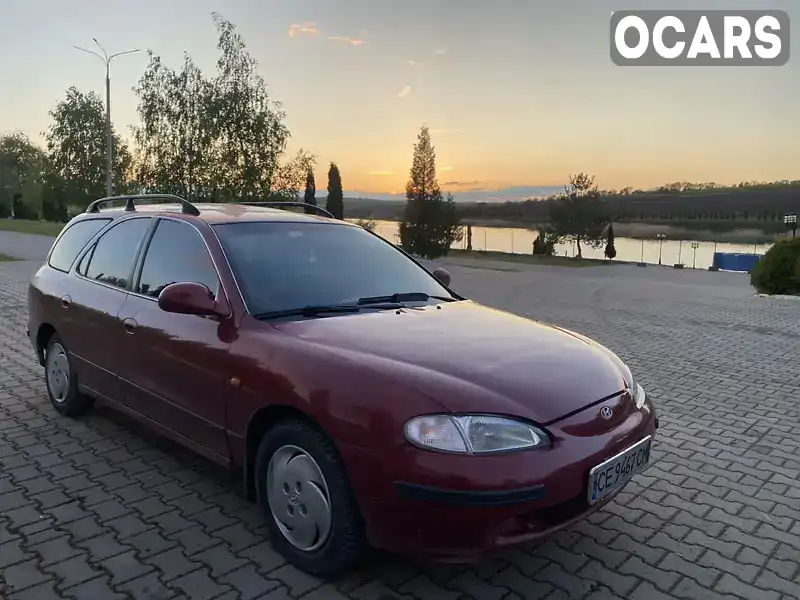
point(211, 213)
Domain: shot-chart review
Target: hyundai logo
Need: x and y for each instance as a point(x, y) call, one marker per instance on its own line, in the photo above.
point(606, 412)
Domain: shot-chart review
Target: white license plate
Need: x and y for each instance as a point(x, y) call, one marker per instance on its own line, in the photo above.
point(609, 476)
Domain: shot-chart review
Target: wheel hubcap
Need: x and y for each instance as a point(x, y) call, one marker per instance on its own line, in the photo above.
point(298, 498)
point(58, 373)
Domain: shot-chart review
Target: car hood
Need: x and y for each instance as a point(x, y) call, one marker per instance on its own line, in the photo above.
point(471, 358)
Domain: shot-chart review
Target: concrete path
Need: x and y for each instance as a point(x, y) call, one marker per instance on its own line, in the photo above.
point(25, 246)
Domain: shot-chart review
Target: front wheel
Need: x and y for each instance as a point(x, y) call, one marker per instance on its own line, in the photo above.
point(62, 383)
point(311, 512)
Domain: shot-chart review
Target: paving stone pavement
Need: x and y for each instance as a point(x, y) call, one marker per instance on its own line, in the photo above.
point(100, 508)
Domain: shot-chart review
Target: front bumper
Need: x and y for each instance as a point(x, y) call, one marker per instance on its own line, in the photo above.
point(460, 534)
point(463, 509)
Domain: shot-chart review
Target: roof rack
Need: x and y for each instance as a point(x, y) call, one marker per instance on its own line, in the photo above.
point(130, 206)
point(278, 204)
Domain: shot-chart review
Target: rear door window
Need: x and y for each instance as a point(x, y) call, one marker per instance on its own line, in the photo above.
point(111, 258)
point(72, 241)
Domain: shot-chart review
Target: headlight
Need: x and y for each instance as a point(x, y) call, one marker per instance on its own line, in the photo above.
point(474, 434)
point(640, 396)
point(634, 389)
point(630, 383)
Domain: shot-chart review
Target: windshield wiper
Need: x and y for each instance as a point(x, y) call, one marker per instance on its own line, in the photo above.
point(314, 311)
point(403, 297)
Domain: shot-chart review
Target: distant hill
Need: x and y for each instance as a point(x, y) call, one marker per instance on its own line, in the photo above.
point(371, 208)
point(465, 192)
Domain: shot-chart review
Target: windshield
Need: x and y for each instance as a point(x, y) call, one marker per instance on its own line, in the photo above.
point(286, 266)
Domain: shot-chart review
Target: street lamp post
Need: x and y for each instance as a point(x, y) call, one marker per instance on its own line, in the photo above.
point(660, 237)
point(713, 266)
point(107, 62)
point(695, 246)
point(641, 262)
point(791, 223)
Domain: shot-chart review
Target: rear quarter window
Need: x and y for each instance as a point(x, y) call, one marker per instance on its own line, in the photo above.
point(72, 242)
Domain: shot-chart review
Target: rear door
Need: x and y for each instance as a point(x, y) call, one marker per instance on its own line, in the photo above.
point(45, 303)
point(91, 300)
point(175, 365)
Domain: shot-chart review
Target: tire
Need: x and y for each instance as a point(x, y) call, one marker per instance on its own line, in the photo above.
point(61, 381)
point(336, 549)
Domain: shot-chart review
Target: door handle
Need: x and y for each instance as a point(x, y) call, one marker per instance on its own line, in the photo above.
point(66, 301)
point(130, 326)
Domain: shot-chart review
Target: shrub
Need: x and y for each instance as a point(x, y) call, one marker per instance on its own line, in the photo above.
point(367, 224)
point(545, 243)
point(24, 210)
point(778, 272)
point(797, 270)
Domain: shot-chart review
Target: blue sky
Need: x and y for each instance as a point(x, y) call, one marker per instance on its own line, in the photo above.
point(517, 93)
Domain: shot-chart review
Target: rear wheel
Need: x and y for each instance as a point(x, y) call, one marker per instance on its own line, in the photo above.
point(311, 512)
point(62, 384)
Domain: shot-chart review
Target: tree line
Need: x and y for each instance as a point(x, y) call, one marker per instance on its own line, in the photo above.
point(716, 208)
point(584, 216)
point(207, 138)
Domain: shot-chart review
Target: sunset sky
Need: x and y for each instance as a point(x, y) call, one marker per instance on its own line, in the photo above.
point(517, 93)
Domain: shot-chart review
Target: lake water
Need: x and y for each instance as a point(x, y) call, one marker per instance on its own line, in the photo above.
point(520, 241)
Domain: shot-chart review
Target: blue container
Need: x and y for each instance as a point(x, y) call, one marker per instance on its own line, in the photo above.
point(729, 261)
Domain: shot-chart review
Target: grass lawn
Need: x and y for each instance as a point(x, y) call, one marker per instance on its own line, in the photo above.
point(35, 227)
point(531, 259)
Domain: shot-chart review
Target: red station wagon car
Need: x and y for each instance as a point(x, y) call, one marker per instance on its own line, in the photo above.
point(367, 403)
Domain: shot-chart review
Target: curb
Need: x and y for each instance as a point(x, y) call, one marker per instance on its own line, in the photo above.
point(778, 297)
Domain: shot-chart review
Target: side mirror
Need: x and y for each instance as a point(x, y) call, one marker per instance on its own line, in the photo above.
point(187, 298)
point(443, 276)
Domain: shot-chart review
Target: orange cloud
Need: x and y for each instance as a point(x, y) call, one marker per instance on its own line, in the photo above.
point(347, 40)
point(446, 168)
point(404, 92)
point(380, 173)
point(461, 183)
point(306, 27)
